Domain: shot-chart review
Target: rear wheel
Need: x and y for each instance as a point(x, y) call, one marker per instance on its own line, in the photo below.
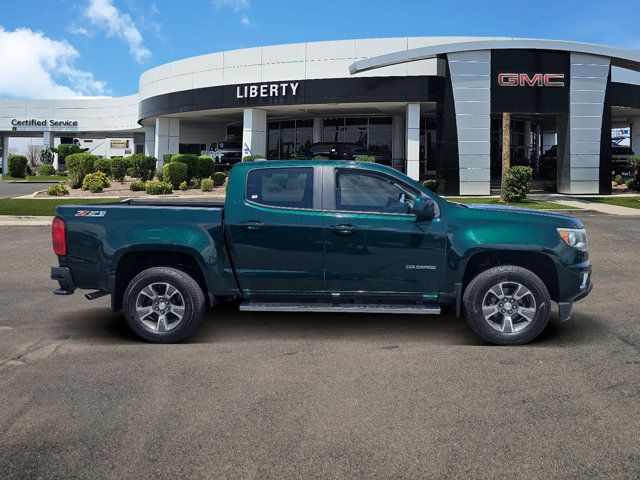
point(507, 305)
point(163, 305)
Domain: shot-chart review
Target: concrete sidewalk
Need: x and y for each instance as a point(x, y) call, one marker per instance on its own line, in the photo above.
point(582, 202)
point(24, 220)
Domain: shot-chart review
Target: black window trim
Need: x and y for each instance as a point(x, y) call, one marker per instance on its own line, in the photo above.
point(316, 194)
point(329, 190)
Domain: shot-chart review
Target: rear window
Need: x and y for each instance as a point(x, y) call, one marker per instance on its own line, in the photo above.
point(281, 187)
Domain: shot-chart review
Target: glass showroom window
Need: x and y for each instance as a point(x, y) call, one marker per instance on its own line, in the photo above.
point(374, 133)
point(288, 138)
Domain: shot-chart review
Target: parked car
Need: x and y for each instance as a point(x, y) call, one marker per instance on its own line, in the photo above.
point(227, 152)
point(344, 151)
point(317, 236)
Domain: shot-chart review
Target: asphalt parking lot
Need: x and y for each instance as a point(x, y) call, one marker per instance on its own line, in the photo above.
point(13, 189)
point(317, 396)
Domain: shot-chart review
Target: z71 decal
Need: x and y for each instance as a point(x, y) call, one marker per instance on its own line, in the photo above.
point(91, 213)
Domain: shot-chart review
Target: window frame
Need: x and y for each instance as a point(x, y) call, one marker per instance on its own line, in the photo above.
point(329, 191)
point(316, 194)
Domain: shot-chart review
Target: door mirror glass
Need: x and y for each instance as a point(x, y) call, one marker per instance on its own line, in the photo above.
point(423, 208)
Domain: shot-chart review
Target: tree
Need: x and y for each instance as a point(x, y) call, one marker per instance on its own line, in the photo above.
point(506, 150)
point(33, 154)
point(46, 155)
point(65, 150)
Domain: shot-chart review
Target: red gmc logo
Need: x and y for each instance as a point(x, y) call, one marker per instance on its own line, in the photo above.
point(537, 80)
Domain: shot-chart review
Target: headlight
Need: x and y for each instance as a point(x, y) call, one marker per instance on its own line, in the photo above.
point(574, 237)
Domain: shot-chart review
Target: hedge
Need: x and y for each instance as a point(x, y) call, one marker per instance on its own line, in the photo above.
point(205, 167)
point(57, 190)
point(174, 173)
point(95, 182)
point(78, 166)
point(219, 178)
point(18, 166)
point(191, 161)
point(143, 167)
point(46, 169)
point(206, 185)
point(158, 188)
point(119, 167)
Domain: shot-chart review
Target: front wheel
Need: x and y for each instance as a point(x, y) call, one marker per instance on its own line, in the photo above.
point(507, 305)
point(163, 305)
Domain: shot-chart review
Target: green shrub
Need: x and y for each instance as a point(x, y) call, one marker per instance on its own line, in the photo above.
point(119, 167)
point(175, 173)
point(183, 186)
point(219, 178)
point(205, 167)
point(206, 185)
point(79, 165)
point(94, 186)
point(160, 175)
point(137, 186)
point(57, 190)
point(102, 165)
point(46, 169)
point(550, 187)
point(617, 179)
point(365, 158)
point(158, 188)
point(632, 184)
point(143, 167)
point(94, 179)
point(191, 161)
point(430, 184)
point(516, 184)
point(634, 164)
point(17, 166)
point(251, 158)
point(66, 150)
point(166, 158)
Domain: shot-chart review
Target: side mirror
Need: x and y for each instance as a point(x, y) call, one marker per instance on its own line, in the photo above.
point(423, 208)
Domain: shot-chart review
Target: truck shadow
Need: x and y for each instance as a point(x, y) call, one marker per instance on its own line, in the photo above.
point(228, 324)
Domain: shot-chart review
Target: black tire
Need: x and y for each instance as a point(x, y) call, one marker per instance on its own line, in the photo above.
point(190, 302)
point(479, 294)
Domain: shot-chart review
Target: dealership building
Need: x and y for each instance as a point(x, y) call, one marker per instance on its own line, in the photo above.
point(432, 105)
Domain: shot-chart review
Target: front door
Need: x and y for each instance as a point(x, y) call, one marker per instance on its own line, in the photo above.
point(275, 232)
point(373, 244)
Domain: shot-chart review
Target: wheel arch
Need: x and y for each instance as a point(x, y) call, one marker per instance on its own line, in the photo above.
point(541, 264)
point(131, 262)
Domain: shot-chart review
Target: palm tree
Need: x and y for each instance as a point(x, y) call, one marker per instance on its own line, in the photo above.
point(506, 150)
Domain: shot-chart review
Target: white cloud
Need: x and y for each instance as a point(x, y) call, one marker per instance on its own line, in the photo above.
point(103, 14)
point(78, 30)
point(35, 66)
point(238, 6)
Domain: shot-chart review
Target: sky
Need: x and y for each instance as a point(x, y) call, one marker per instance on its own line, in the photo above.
point(67, 49)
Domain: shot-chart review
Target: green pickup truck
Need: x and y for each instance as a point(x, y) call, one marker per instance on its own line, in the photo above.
point(320, 236)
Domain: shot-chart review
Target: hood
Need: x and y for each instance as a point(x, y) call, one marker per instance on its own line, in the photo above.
point(520, 211)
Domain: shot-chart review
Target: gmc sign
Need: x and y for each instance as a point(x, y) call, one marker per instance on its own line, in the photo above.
point(537, 80)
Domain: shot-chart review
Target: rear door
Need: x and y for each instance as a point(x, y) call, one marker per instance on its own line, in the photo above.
point(275, 231)
point(373, 244)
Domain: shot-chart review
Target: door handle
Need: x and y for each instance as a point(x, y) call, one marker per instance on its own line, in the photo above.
point(344, 230)
point(252, 225)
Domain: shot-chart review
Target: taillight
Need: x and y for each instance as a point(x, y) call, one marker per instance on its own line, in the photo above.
point(58, 237)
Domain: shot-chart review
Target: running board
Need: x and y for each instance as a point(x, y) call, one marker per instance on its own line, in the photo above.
point(341, 308)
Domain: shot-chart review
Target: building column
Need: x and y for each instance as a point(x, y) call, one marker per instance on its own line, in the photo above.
point(166, 138)
point(317, 130)
point(397, 138)
point(634, 123)
point(150, 141)
point(579, 164)
point(254, 132)
point(5, 155)
point(412, 137)
point(471, 84)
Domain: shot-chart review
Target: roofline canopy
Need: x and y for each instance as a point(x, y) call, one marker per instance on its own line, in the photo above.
point(620, 57)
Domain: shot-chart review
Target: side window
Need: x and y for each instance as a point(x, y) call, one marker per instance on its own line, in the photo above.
point(360, 191)
point(281, 187)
